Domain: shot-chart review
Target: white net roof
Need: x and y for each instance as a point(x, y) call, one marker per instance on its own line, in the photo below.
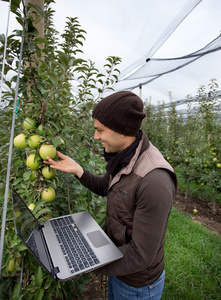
point(186, 31)
point(180, 40)
point(153, 68)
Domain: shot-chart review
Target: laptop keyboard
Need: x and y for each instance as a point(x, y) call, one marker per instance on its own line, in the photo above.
point(76, 250)
point(31, 243)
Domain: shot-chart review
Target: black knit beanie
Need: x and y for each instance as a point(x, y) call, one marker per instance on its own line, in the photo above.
point(121, 112)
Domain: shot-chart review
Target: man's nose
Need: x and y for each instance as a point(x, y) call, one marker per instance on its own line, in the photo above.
point(96, 135)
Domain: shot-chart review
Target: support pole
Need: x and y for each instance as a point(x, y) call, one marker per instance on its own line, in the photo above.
point(140, 91)
point(4, 55)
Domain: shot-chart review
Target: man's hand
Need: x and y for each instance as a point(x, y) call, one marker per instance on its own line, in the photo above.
point(67, 165)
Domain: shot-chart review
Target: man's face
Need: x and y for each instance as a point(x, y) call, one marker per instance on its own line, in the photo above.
point(112, 141)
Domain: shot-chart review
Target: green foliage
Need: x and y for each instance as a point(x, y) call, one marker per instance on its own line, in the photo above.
point(198, 190)
point(192, 144)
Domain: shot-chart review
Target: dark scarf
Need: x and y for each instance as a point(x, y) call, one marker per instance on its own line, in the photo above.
point(116, 161)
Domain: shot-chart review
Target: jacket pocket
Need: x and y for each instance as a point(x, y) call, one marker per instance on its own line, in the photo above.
point(116, 231)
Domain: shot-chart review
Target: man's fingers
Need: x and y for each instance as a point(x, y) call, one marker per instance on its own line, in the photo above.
point(49, 160)
point(59, 154)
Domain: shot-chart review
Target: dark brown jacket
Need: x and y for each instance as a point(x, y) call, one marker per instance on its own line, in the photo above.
point(139, 200)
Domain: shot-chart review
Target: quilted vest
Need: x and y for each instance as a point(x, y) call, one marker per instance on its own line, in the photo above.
point(121, 196)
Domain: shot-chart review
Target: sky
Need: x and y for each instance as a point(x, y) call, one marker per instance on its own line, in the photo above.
point(137, 29)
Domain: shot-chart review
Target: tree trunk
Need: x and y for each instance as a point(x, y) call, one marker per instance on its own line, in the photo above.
point(40, 27)
point(40, 24)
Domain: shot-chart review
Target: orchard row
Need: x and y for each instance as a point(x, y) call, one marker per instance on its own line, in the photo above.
point(191, 143)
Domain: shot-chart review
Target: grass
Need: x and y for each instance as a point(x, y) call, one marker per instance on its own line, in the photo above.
point(192, 260)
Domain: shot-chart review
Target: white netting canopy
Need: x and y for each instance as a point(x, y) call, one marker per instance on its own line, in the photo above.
point(154, 68)
point(165, 45)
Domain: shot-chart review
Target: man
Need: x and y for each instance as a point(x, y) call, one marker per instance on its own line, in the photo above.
point(140, 186)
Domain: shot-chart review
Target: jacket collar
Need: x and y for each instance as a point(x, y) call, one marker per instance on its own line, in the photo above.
point(142, 146)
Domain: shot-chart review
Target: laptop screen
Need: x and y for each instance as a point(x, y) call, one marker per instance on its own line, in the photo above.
point(28, 229)
point(25, 222)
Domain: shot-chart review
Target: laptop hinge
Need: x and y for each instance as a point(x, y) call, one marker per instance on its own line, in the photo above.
point(55, 271)
point(40, 227)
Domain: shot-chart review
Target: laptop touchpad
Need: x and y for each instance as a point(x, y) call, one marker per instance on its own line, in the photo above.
point(97, 239)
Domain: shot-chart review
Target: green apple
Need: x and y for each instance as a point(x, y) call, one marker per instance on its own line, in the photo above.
point(48, 131)
point(47, 150)
point(19, 260)
point(48, 172)
point(218, 165)
point(20, 141)
point(40, 127)
point(33, 176)
point(34, 141)
point(48, 194)
point(215, 159)
point(195, 211)
point(31, 206)
point(28, 123)
point(11, 265)
point(61, 142)
point(33, 161)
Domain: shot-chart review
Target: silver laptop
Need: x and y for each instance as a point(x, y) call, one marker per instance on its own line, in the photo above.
point(65, 246)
